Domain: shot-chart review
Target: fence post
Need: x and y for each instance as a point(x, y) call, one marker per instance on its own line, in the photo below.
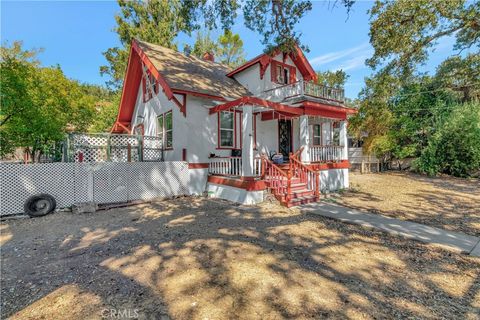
point(317, 184)
point(129, 153)
point(108, 148)
point(140, 148)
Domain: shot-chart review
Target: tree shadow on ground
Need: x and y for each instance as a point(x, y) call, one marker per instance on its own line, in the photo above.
point(447, 203)
point(194, 258)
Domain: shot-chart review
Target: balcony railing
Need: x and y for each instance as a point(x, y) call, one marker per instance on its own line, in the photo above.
point(303, 88)
point(326, 153)
point(232, 166)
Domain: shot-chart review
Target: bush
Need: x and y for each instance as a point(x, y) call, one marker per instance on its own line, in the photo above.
point(454, 148)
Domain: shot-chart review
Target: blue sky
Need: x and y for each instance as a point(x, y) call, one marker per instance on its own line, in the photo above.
point(74, 35)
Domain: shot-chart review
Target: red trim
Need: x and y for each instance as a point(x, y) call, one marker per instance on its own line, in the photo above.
point(256, 101)
point(198, 94)
point(132, 82)
point(241, 130)
point(297, 57)
point(247, 184)
point(198, 165)
point(235, 129)
point(343, 164)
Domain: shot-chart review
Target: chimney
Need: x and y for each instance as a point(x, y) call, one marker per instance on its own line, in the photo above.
point(208, 56)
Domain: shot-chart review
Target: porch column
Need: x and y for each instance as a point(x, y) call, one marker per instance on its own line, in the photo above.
point(247, 140)
point(343, 139)
point(304, 139)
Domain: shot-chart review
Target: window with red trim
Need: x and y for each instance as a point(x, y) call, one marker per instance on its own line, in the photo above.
point(226, 129)
point(317, 134)
point(282, 73)
point(150, 86)
point(165, 129)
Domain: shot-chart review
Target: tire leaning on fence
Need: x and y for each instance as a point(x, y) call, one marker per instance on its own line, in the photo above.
point(39, 205)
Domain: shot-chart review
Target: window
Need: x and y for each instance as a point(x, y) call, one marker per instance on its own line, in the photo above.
point(150, 88)
point(336, 133)
point(317, 134)
point(165, 129)
point(282, 73)
point(227, 129)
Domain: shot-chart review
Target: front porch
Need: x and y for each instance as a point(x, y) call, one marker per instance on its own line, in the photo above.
point(283, 150)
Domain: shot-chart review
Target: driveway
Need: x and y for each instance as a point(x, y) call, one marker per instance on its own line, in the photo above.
point(193, 258)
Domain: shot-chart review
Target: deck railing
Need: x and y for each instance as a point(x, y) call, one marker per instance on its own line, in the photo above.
point(232, 166)
point(326, 153)
point(303, 88)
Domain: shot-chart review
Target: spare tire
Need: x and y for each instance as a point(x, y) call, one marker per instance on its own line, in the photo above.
point(39, 205)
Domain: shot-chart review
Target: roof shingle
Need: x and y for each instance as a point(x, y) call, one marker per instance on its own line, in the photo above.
point(192, 73)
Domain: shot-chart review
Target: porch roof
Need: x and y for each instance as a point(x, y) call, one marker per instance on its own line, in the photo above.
point(304, 108)
point(288, 110)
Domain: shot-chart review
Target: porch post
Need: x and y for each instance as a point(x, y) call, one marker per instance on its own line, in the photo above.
point(343, 139)
point(247, 140)
point(304, 139)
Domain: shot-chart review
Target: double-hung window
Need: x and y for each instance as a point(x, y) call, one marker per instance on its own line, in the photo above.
point(165, 129)
point(227, 129)
point(317, 134)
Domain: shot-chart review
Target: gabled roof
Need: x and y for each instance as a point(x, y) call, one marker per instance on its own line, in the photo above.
point(189, 73)
point(297, 57)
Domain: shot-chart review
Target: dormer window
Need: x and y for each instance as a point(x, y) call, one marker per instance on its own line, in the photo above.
point(282, 73)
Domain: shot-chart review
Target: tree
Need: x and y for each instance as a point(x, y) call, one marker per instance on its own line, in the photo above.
point(455, 147)
point(203, 44)
point(107, 110)
point(461, 75)
point(160, 22)
point(39, 104)
point(154, 21)
point(230, 49)
point(402, 32)
point(333, 79)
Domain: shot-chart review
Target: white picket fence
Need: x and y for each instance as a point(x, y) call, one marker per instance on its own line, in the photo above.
point(105, 182)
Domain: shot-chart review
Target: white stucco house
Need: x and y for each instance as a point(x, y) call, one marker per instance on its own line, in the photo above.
point(227, 124)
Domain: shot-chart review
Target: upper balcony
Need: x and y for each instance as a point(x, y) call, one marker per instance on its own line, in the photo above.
point(305, 90)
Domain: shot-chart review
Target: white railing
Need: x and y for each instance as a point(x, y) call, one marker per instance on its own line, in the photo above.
point(232, 166)
point(303, 88)
point(326, 153)
point(226, 166)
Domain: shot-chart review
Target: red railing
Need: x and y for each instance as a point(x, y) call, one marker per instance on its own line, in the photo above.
point(306, 175)
point(278, 180)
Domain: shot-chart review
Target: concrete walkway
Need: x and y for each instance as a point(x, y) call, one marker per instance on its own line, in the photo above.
point(456, 241)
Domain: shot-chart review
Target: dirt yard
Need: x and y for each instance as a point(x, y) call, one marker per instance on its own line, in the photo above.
point(444, 202)
point(193, 258)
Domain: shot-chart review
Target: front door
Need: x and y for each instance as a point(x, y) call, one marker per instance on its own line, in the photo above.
point(285, 136)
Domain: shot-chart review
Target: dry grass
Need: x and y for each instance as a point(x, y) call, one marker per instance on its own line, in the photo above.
point(204, 259)
point(445, 202)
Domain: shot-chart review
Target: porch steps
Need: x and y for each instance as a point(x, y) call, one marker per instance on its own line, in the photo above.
point(299, 194)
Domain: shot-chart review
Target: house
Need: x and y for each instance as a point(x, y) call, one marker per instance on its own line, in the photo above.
point(227, 124)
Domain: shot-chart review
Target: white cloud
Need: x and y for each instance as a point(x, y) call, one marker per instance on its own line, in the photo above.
point(355, 62)
point(337, 55)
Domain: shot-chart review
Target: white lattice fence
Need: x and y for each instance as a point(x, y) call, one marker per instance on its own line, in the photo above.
point(101, 147)
point(101, 182)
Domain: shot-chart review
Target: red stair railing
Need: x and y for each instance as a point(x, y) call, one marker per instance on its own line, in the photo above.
point(278, 180)
point(305, 174)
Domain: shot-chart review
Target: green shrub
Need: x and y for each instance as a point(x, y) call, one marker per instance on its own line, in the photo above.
point(455, 146)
